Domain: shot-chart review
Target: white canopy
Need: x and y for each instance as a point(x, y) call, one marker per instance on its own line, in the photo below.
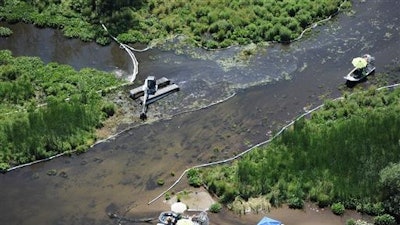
point(178, 207)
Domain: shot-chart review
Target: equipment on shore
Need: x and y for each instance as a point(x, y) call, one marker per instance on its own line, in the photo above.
point(173, 218)
point(132, 220)
point(151, 91)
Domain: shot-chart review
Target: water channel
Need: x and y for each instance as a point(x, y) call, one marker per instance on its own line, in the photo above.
point(274, 86)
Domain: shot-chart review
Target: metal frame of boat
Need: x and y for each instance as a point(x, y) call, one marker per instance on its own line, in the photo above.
point(172, 218)
point(358, 74)
point(151, 91)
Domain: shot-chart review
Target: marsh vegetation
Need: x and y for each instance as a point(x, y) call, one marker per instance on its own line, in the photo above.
point(48, 109)
point(345, 156)
point(211, 23)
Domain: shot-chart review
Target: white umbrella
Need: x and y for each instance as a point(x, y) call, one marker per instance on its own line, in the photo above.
point(359, 62)
point(184, 222)
point(178, 207)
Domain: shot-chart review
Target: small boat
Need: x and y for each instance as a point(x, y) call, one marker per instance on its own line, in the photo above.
point(168, 218)
point(363, 66)
point(172, 218)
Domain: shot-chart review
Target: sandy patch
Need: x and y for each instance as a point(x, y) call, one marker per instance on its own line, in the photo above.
point(196, 199)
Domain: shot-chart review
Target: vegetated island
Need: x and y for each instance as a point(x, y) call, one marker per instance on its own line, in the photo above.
point(49, 109)
point(346, 156)
point(207, 23)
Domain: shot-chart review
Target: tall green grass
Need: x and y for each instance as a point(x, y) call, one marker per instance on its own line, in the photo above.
point(335, 156)
point(48, 109)
point(209, 23)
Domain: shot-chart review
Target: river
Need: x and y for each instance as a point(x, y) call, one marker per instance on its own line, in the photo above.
point(121, 174)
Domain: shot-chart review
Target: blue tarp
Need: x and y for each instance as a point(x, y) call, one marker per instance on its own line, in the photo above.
point(269, 221)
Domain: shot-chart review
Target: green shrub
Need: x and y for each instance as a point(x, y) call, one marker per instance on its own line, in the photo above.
point(4, 167)
point(350, 203)
point(5, 32)
point(323, 200)
point(337, 208)
point(81, 149)
point(194, 178)
point(109, 109)
point(103, 40)
point(167, 196)
point(285, 34)
point(160, 182)
point(211, 44)
point(373, 209)
point(216, 208)
point(296, 203)
point(384, 219)
point(229, 194)
point(351, 222)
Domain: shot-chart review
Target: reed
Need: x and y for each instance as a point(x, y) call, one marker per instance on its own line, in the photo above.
point(233, 22)
point(336, 156)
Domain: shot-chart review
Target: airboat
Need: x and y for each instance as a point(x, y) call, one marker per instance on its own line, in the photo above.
point(363, 66)
point(173, 218)
point(151, 91)
point(177, 217)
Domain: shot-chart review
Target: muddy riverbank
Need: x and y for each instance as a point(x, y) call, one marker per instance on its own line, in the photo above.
point(121, 175)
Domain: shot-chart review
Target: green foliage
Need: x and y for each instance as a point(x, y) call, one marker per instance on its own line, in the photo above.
point(323, 200)
point(160, 182)
point(296, 203)
point(194, 178)
point(167, 196)
point(337, 208)
point(216, 207)
point(373, 209)
point(4, 167)
point(213, 24)
point(351, 222)
point(48, 109)
point(390, 188)
point(335, 156)
point(5, 32)
point(109, 109)
point(384, 219)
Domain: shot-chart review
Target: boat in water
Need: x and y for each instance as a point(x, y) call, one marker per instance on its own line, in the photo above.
point(363, 66)
point(151, 91)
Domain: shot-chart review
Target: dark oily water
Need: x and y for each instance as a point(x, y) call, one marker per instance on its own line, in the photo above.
point(121, 174)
